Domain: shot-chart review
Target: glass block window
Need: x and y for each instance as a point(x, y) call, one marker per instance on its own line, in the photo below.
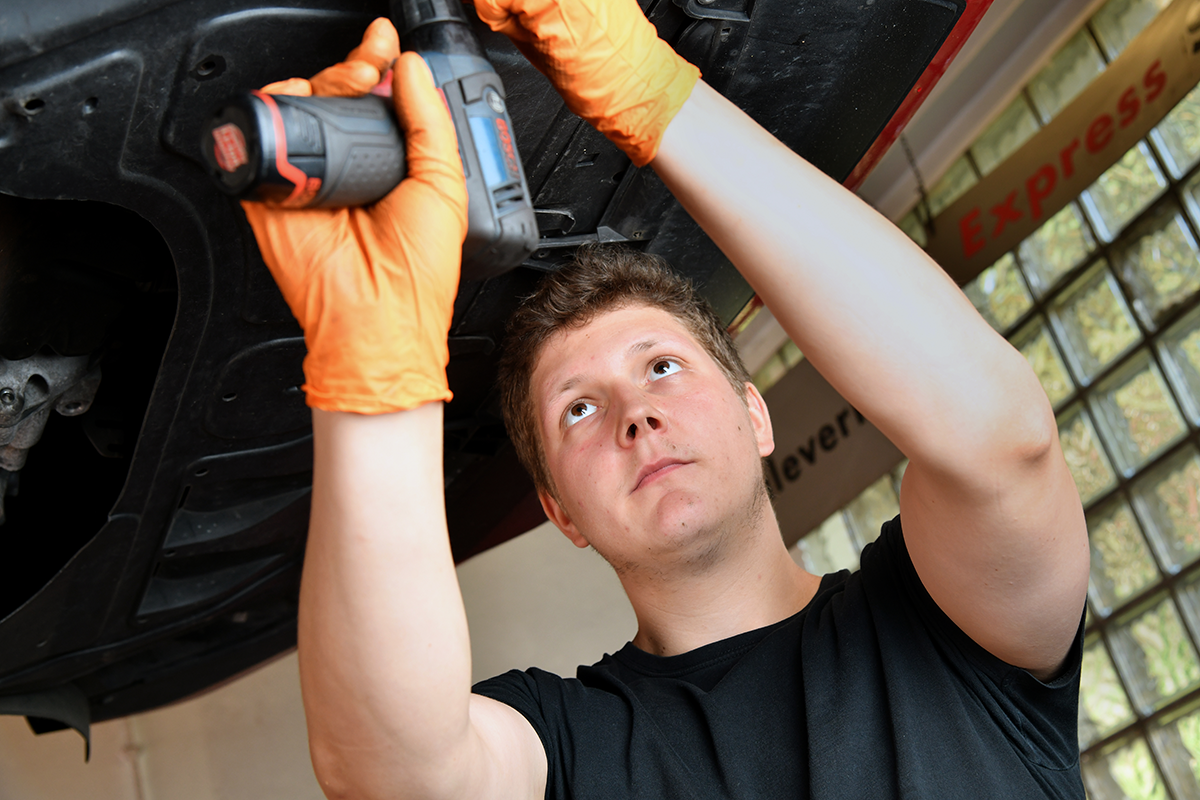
point(1093, 321)
point(1177, 137)
point(1085, 457)
point(960, 177)
point(1067, 74)
point(1124, 190)
point(836, 544)
point(1179, 348)
point(1177, 740)
point(1168, 501)
point(1103, 705)
point(1118, 22)
point(1104, 303)
point(1057, 247)
point(1122, 565)
point(1037, 345)
point(1137, 413)
point(1159, 263)
point(1011, 129)
point(777, 366)
point(1127, 771)
point(999, 294)
point(878, 503)
point(830, 548)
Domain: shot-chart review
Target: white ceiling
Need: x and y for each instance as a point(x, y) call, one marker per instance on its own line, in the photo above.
point(1012, 42)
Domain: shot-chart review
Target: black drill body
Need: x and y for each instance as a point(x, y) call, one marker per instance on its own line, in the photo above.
point(307, 152)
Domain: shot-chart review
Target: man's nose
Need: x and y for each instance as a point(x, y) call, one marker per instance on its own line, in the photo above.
point(640, 416)
point(650, 423)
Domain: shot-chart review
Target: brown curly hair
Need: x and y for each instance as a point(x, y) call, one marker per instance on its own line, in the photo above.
point(601, 278)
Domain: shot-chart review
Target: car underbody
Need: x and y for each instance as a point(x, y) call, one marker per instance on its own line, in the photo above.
point(155, 447)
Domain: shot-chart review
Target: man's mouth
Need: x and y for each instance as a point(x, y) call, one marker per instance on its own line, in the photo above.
point(655, 470)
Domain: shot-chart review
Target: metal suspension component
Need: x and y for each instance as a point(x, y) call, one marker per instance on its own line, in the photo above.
point(30, 389)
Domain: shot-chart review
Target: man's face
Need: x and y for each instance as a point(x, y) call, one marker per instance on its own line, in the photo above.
point(654, 456)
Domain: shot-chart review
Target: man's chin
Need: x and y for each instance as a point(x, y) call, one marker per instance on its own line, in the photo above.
point(689, 535)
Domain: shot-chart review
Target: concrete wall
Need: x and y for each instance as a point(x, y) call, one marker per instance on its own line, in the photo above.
point(534, 600)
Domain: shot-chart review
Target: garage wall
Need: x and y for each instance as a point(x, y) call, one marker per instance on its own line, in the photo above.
point(534, 600)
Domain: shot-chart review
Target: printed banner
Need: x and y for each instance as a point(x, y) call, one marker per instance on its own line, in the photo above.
point(1121, 105)
point(825, 451)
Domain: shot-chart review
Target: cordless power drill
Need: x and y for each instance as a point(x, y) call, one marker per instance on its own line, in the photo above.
point(306, 152)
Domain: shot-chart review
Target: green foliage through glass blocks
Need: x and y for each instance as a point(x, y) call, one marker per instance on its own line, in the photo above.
point(1162, 662)
point(1168, 497)
point(1178, 135)
point(1063, 242)
point(1140, 418)
point(1015, 125)
point(829, 548)
point(876, 505)
point(1124, 190)
point(999, 294)
point(1068, 73)
point(1160, 264)
point(1039, 350)
point(1088, 464)
point(1132, 771)
point(1121, 562)
point(1095, 322)
point(1103, 707)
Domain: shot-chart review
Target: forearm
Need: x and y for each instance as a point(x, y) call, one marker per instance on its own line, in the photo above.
point(879, 319)
point(384, 654)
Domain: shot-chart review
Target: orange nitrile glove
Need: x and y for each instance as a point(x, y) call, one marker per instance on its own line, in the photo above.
point(606, 60)
point(373, 287)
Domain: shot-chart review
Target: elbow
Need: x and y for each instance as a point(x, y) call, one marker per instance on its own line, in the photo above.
point(382, 778)
point(1033, 437)
point(341, 780)
point(1022, 429)
point(330, 774)
point(1009, 426)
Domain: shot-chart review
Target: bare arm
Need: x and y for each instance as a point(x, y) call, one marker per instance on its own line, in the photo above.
point(991, 516)
point(385, 662)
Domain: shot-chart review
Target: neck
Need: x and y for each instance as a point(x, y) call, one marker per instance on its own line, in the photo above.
point(744, 587)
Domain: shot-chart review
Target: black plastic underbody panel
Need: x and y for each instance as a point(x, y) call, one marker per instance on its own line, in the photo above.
point(155, 546)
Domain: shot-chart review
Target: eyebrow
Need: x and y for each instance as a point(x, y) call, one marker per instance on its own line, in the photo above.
point(635, 348)
point(642, 346)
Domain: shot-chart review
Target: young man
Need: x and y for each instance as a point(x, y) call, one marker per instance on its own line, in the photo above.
point(947, 667)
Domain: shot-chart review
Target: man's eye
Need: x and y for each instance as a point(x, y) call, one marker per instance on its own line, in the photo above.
point(579, 410)
point(663, 368)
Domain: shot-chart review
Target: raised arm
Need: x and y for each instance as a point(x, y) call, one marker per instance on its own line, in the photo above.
point(991, 516)
point(385, 662)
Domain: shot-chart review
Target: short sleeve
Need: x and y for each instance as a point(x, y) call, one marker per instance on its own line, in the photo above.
point(520, 690)
point(1041, 717)
point(586, 728)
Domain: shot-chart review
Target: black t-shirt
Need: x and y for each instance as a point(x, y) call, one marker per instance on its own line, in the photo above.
point(869, 692)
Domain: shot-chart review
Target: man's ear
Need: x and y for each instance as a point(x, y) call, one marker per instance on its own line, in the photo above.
point(556, 514)
point(760, 420)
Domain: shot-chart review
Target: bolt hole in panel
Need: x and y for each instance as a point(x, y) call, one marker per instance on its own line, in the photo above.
point(209, 68)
